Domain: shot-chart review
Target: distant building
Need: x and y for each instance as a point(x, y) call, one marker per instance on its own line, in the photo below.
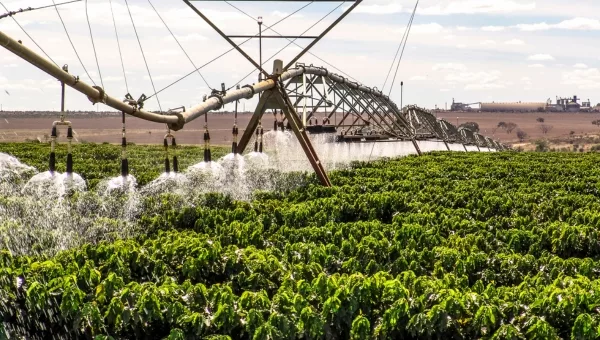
point(513, 107)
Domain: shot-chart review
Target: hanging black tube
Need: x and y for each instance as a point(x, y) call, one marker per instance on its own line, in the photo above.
point(167, 165)
point(52, 165)
point(235, 138)
point(260, 144)
point(175, 161)
point(124, 160)
point(256, 140)
point(69, 155)
point(207, 154)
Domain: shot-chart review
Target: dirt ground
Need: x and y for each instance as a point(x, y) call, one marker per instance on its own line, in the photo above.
point(562, 123)
point(108, 129)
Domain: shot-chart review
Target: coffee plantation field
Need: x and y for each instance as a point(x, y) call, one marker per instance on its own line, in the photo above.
point(448, 245)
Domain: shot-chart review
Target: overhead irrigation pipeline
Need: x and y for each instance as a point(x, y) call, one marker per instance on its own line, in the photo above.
point(175, 120)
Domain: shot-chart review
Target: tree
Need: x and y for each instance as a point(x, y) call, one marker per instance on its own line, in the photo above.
point(471, 126)
point(540, 120)
point(522, 135)
point(541, 145)
point(545, 128)
point(596, 122)
point(510, 127)
point(502, 125)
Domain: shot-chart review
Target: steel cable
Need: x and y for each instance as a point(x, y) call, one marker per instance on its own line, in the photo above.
point(402, 53)
point(217, 57)
point(294, 41)
point(143, 56)
point(87, 17)
point(177, 41)
point(119, 46)
point(396, 56)
point(289, 43)
point(72, 45)
point(27, 34)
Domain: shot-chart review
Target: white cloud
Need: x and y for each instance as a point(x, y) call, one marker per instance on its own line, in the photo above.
point(582, 79)
point(432, 28)
point(533, 27)
point(516, 42)
point(444, 90)
point(112, 79)
point(477, 6)
point(540, 57)
point(390, 8)
point(536, 66)
point(163, 77)
point(484, 86)
point(192, 37)
point(279, 14)
point(449, 67)
point(463, 28)
point(488, 43)
point(580, 24)
point(474, 77)
point(493, 28)
point(580, 66)
point(483, 80)
point(418, 78)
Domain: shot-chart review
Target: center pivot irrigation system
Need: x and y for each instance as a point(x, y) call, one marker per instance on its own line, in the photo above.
point(296, 92)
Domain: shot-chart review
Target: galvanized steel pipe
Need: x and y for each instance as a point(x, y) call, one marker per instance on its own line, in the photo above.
point(80, 86)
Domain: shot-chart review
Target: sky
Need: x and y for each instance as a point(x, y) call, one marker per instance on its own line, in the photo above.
point(469, 50)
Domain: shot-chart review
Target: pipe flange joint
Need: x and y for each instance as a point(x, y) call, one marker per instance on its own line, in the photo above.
point(323, 69)
point(219, 99)
point(251, 90)
point(180, 122)
point(101, 96)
